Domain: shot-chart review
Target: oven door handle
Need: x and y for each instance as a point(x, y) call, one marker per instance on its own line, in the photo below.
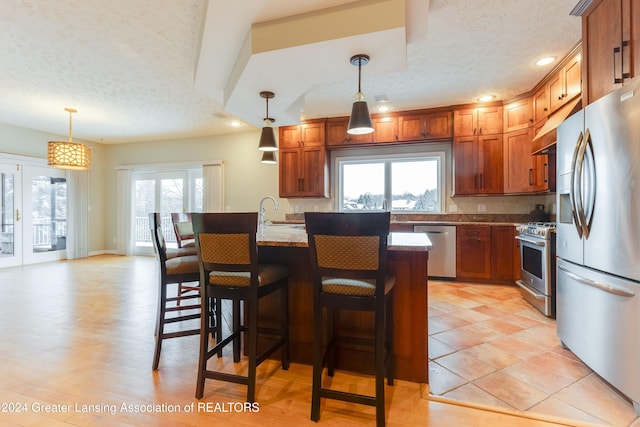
point(533, 242)
point(536, 295)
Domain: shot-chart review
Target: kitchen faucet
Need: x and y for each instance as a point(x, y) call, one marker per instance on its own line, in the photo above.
point(261, 217)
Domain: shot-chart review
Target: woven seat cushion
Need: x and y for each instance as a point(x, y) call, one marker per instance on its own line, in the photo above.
point(183, 265)
point(341, 286)
point(267, 273)
point(177, 252)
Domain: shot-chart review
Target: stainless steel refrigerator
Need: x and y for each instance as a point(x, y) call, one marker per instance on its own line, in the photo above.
point(598, 238)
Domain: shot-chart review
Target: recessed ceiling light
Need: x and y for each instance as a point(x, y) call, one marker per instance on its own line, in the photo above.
point(546, 60)
point(235, 123)
point(486, 98)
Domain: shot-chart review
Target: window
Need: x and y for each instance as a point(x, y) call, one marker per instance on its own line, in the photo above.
point(404, 183)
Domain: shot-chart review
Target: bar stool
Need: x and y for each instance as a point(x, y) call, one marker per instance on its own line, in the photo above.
point(229, 269)
point(174, 267)
point(348, 254)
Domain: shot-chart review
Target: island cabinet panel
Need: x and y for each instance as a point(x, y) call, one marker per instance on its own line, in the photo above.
point(410, 314)
point(422, 126)
point(473, 252)
point(611, 46)
point(337, 136)
point(518, 115)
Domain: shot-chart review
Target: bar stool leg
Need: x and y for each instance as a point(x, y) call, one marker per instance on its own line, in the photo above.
point(380, 334)
point(253, 348)
point(331, 349)
point(317, 364)
point(284, 326)
point(236, 330)
point(204, 345)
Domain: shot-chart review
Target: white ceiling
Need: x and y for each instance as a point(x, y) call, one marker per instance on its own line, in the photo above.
point(141, 70)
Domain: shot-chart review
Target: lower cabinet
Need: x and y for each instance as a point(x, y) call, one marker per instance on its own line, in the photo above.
point(485, 253)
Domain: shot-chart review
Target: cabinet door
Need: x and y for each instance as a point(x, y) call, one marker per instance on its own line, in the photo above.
point(411, 127)
point(490, 120)
point(602, 33)
point(465, 165)
point(572, 77)
point(473, 252)
point(541, 172)
point(439, 125)
point(541, 104)
point(465, 122)
point(315, 181)
point(290, 178)
point(518, 162)
point(336, 134)
point(490, 178)
point(289, 137)
point(312, 134)
point(502, 257)
point(556, 90)
point(517, 115)
point(385, 129)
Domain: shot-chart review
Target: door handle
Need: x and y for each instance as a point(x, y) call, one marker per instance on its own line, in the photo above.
point(616, 50)
point(599, 285)
point(572, 187)
point(18, 215)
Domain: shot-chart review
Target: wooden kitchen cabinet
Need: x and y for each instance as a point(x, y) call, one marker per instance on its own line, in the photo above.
point(337, 136)
point(566, 84)
point(477, 121)
point(425, 126)
point(518, 115)
point(473, 252)
point(611, 46)
point(524, 172)
point(385, 128)
point(541, 104)
point(304, 170)
point(502, 257)
point(478, 167)
point(487, 253)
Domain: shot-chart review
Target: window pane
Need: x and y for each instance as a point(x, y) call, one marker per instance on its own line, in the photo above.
point(49, 213)
point(6, 214)
point(145, 202)
point(414, 186)
point(362, 186)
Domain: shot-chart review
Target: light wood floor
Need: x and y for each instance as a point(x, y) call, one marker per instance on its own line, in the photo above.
point(77, 342)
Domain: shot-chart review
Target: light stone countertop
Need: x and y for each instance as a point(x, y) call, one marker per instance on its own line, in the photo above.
point(295, 236)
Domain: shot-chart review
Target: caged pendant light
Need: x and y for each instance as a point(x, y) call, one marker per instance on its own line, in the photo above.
point(67, 154)
point(267, 137)
point(360, 120)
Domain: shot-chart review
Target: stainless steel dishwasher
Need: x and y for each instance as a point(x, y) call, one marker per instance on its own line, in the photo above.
point(442, 258)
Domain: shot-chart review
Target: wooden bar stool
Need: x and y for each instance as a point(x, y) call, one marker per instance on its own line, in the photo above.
point(174, 267)
point(229, 269)
point(348, 254)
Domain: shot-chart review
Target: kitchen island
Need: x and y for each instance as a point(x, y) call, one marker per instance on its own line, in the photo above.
point(407, 259)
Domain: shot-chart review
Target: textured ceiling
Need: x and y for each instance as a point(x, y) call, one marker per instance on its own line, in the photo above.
point(155, 69)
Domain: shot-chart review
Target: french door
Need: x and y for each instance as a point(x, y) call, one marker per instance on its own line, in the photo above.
point(33, 214)
point(164, 192)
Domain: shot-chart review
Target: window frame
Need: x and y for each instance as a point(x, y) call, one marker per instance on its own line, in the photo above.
point(388, 158)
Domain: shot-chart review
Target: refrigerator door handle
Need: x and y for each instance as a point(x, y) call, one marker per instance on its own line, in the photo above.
point(580, 203)
point(599, 285)
point(588, 215)
point(572, 188)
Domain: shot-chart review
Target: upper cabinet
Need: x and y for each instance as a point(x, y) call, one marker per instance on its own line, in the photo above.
point(517, 115)
point(304, 170)
point(337, 136)
point(385, 128)
point(611, 45)
point(541, 104)
point(477, 121)
point(425, 126)
point(566, 84)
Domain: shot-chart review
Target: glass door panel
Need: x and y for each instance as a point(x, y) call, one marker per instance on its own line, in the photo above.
point(10, 216)
point(45, 217)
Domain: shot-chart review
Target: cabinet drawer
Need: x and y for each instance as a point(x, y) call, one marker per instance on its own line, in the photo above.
point(474, 231)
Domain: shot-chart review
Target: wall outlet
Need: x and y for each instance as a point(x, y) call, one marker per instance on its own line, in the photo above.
point(296, 208)
point(482, 208)
point(453, 208)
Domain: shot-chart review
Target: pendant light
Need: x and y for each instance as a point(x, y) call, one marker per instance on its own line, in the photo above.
point(267, 138)
point(360, 121)
point(68, 155)
point(269, 157)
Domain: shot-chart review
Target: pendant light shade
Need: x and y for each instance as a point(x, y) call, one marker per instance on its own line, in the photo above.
point(267, 137)
point(360, 120)
point(67, 154)
point(269, 157)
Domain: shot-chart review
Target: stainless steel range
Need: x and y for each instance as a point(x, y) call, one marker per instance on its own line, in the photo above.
point(538, 265)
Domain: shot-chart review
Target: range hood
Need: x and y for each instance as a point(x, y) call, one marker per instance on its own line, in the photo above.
point(545, 139)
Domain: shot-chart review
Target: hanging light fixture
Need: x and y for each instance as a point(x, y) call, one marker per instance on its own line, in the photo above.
point(269, 157)
point(360, 121)
point(267, 138)
point(68, 155)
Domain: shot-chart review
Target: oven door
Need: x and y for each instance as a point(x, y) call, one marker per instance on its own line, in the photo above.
point(535, 270)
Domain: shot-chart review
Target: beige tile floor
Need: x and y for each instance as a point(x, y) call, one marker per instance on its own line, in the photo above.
point(489, 346)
